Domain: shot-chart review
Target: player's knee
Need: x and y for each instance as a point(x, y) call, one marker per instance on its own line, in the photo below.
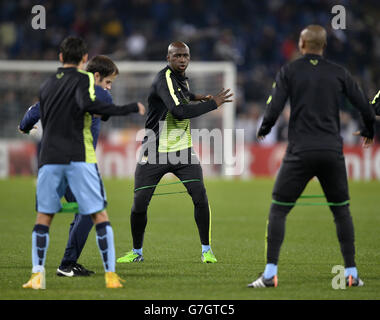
point(139, 207)
point(340, 212)
point(99, 217)
point(279, 211)
point(198, 195)
point(141, 201)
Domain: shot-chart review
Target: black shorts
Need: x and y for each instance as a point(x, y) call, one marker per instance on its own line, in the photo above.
point(298, 169)
point(149, 174)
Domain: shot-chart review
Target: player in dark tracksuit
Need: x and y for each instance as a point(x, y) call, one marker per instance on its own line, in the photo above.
point(67, 158)
point(105, 72)
point(315, 87)
point(168, 136)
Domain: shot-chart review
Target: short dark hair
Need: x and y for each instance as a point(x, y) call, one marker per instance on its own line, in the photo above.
point(73, 49)
point(102, 64)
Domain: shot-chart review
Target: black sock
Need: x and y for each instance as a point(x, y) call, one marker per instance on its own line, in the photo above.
point(138, 224)
point(276, 231)
point(345, 233)
point(202, 218)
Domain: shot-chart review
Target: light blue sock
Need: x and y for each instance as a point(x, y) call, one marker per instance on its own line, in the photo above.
point(270, 270)
point(105, 241)
point(351, 272)
point(40, 244)
point(138, 251)
point(205, 248)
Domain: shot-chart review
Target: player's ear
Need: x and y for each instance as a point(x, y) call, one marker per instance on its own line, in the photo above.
point(85, 58)
point(301, 44)
point(60, 57)
point(97, 77)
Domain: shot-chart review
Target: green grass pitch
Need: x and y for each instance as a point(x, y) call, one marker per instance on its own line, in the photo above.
point(172, 268)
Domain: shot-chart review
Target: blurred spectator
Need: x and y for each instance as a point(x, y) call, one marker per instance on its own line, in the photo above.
point(136, 45)
point(8, 34)
point(226, 48)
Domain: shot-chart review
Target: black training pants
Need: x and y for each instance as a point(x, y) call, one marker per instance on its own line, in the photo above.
point(147, 175)
point(295, 172)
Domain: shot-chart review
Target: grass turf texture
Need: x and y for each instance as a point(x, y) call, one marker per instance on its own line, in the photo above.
point(172, 268)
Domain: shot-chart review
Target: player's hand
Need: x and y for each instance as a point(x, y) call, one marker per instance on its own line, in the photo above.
point(23, 132)
point(260, 138)
point(367, 142)
point(262, 133)
point(141, 108)
point(223, 96)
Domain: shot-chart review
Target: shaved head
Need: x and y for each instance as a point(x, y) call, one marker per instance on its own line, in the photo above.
point(313, 39)
point(177, 45)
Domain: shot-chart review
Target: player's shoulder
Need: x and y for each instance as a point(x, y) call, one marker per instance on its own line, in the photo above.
point(306, 60)
point(297, 63)
point(103, 94)
point(82, 74)
point(336, 66)
point(34, 107)
point(163, 73)
point(160, 78)
point(48, 83)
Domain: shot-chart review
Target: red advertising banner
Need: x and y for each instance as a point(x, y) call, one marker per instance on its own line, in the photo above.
point(119, 160)
point(362, 164)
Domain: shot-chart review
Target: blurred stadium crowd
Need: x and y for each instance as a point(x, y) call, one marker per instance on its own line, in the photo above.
point(258, 36)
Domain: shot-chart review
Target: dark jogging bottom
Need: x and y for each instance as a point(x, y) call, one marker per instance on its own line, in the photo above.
point(295, 173)
point(148, 175)
point(79, 230)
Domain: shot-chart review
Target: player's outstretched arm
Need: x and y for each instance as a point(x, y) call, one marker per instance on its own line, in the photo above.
point(222, 97)
point(359, 100)
point(86, 99)
point(168, 94)
point(188, 111)
point(275, 104)
point(168, 90)
point(31, 117)
point(200, 97)
point(376, 106)
point(112, 110)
